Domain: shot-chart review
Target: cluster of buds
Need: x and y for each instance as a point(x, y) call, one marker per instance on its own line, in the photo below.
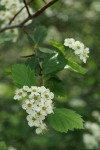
point(11, 7)
point(37, 101)
point(78, 48)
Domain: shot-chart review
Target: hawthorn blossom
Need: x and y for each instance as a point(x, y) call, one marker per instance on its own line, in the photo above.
point(84, 55)
point(78, 47)
point(69, 42)
point(42, 128)
point(41, 89)
point(47, 95)
point(33, 121)
point(19, 94)
point(26, 88)
point(28, 105)
point(38, 103)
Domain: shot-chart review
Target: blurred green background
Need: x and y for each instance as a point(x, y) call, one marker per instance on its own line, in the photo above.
point(79, 19)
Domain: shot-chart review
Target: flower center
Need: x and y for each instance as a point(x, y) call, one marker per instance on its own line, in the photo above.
point(20, 93)
point(44, 108)
point(33, 119)
point(46, 96)
point(38, 113)
point(34, 90)
point(78, 47)
point(36, 98)
point(70, 42)
point(29, 105)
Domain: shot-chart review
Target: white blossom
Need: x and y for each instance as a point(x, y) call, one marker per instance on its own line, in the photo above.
point(19, 94)
point(35, 96)
point(47, 95)
point(84, 54)
point(78, 47)
point(41, 89)
point(26, 88)
point(42, 128)
point(45, 110)
point(37, 101)
point(28, 105)
point(33, 121)
point(69, 42)
point(34, 90)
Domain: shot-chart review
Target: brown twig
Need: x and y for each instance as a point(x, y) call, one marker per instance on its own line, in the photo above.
point(36, 14)
point(9, 27)
point(26, 6)
point(19, 12)
point(39, 12)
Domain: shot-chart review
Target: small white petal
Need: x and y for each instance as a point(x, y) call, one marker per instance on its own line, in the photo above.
point(38, 131)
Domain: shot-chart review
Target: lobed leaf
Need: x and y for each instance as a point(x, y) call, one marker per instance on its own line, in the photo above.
point(33, 63)
point(65, 119)
point(23, 75)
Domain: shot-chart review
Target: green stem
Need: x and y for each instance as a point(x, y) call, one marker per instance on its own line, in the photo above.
point(41, 81)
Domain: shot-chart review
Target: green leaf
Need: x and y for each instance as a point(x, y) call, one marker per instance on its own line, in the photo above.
point(31, 40)
point(76, 67)
point(33, 63)
point(59, 46)
point(65, 119)
point(40, 34)
point(23, 75)
point(53, 63)
point(3, 146)
point(56, 86)
point(46, 50)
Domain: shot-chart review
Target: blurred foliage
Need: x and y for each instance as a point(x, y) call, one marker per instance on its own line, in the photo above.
point(79, 19)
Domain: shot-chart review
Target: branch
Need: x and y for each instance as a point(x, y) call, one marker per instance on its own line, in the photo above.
point(36, 14)
point(18, 12)
point(9, 27)
point(24, 1)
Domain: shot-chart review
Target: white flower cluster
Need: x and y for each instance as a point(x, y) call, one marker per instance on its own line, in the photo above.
point(78, 48)
point(37, 101)
point(96, 115)
point(11, 8)
point(92, 140)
